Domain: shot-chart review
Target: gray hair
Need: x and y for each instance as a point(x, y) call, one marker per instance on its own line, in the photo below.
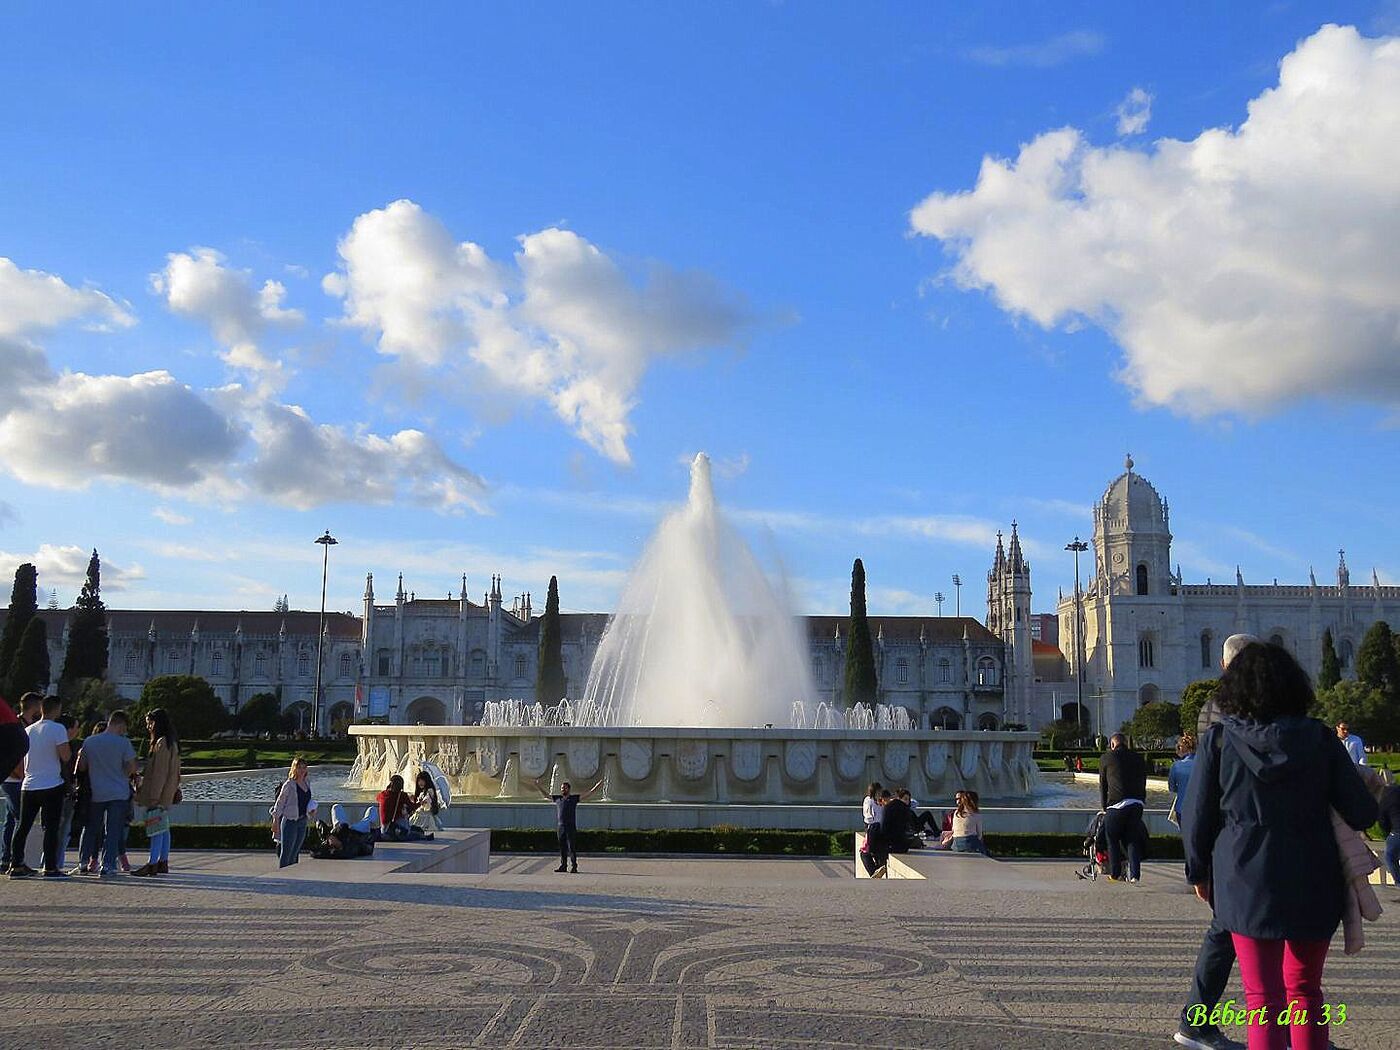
point(1234, 645)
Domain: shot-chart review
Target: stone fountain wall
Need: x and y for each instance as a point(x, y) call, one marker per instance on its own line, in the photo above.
point(793, 766)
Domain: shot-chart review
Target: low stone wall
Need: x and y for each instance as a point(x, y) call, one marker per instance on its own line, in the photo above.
point(698, 766)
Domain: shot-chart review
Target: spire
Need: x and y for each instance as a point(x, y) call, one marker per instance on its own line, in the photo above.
point(923, 635)
point(282, 631)
point(1239, 578)
point(1128, 462)
point(151, 632)
point(369, 586)
point(1343, 573)
point(1375, 581)
point(399, 595)
point(194, 631)
point(1018, 563)
point(1000, 563)
point(464, 587)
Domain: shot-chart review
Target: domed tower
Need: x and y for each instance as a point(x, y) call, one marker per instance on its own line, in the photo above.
point(1132, 537)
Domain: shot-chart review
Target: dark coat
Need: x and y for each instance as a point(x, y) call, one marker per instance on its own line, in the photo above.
point(1256, 822)
point(1122, 774)
point(896, 825)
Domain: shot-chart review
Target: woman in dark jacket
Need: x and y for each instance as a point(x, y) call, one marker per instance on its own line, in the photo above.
point(1257, 831)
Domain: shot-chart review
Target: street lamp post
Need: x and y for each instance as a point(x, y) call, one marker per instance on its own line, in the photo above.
point(327, 541)
point(938, 597)
point(1079, 547)
point(957, 585)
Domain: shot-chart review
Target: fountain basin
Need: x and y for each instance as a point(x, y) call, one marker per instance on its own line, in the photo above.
point(698, 765)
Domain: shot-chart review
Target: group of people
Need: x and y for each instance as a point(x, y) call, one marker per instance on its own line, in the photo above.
point(396, 816)
point(95, 784)
point(1270, 803)
point(895, 824)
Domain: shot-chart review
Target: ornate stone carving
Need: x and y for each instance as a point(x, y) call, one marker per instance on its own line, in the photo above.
point(692, 757)
point(582, 756)
point(971, 755)
point(935, 760)
point(449, 756)
point(850, 759)
point(800, 759)
point(534, 756)
point(994, 758)
point(746, 758)
point(895, 759)
point(490, 755)
point(635, 756)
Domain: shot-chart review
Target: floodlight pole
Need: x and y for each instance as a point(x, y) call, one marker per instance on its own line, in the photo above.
point(327, 541)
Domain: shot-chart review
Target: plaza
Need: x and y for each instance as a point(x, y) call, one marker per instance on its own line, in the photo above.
point(634, 952)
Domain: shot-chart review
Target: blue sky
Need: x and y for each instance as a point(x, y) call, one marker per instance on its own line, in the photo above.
point(641, 230)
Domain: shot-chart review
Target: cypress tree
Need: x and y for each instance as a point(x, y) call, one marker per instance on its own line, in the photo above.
point(860, 685)
point(87, 635)
point(30, 670)
point(1376, 663)
point(549, 674)
point(24, 603)
point(1330, 673)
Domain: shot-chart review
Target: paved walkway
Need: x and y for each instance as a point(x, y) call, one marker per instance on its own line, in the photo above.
point(635, 952)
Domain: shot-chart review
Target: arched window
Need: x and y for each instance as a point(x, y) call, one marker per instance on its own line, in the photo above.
point(216, 663)
point(1142, 579)
point(304, 664)
point(945, 670)
point(817, 668)
point(130, 666)
point(987, 721)
point(478, 664)
point(172, 660)
point(260, 665)
point(1147, 654)
point(1207, 652)
point(1276, 639)
point(945, 718)
point(346, 665)
point(386, 663)
point(1149, 694)
point(1345, 652)
point(901, 671)
point(986, 671)
point(432, 662)
point(519, 665)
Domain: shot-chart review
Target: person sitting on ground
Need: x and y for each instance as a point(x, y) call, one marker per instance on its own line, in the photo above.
point(922, 819)
point(425, 805)
point(365, 825)
point(395, 807)
point(967, 824)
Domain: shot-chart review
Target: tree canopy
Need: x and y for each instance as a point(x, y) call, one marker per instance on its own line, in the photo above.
point(1193, 698)
point(1154, 723)
point(1330, 671)
point(261, 714)
point(549, 672)
point(191, 702)
point(87, 633)
point(23, 605)
point(30, 669)
point(861, 686)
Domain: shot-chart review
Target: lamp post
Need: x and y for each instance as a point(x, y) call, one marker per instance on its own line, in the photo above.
point(957, 584)
point(938, 597)
point(327, 541)
point(1079, 547)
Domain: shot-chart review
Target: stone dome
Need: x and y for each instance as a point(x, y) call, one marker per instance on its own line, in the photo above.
point(1132, 502)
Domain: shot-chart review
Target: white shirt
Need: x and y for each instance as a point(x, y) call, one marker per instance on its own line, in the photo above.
point(870, 811)
point(1355, 748)
point(42, 768)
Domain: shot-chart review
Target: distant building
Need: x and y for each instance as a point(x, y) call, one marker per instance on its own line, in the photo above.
point(1045, 627)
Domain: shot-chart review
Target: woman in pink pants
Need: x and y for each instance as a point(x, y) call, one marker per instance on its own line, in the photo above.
point(1257, 833)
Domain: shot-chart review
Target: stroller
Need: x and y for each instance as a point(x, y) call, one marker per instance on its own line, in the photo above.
point(1095, 850)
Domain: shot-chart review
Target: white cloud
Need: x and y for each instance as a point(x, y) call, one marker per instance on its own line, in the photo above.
point(949, 528)
point(1241, 270)
point(34, 301)
point(171, 517)
point(564, 326)
point(198, 284)
point(1134, 112)
point(66, 567)
point(1057, 50)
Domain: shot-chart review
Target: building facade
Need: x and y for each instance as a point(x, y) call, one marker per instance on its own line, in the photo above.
point(1147, 634)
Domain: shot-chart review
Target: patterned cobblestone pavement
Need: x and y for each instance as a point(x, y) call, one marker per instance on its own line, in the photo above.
point(636, 952)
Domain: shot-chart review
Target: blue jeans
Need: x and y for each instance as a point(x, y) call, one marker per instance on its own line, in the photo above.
point(1392, 856)
point(11, 817)
point(968, 844)
point(65, 828)
point(293, 835)
point(103, 830)
point(1213, 964)
point(160, 847)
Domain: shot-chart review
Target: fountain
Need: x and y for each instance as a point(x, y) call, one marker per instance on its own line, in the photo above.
point(701, 661)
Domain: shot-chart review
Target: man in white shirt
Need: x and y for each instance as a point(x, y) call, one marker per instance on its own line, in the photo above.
point(41, 791)
point(1355, 748)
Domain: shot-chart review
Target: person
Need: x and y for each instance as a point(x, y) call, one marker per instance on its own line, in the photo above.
point(14, 745)
point(1122, 791)
point(289, 812)
point(157, 791)
point(1356, 748)
point(426, 805)
point(82, 801)
point(1259, 840)
point(366, 824)
point(1078, 764)
point(108, 761)
point(967, 823)
point(922, 820)
point(1390, 824)
point(395, 807)
point(896, 824)
point(1179, 775)
point(70, 789)
point(41, 790)
point(870, 808)
point(1216, 956)
point(566, 822)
